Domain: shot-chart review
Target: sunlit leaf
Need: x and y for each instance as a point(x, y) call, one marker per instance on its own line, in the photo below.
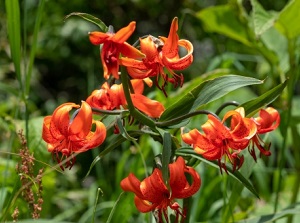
point(91, 19)
point(223, 19)
point(262, 20)
point(288, 20)
point(251, 107)
point(206, 92)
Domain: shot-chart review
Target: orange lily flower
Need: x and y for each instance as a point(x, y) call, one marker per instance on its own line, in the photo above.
point(161, 53)
point(68, 136)
point(153, 195)
point(110, 98)
point(113, 45)
point(267, 121)
point(219, 140)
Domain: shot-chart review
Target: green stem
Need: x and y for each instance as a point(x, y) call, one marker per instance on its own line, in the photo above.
point(293, 75)
point(183, 117)
point(133, 111)
point(108, 112)
point(234, 103)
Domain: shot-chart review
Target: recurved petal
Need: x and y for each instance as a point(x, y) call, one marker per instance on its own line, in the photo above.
point(133, 63)
point(215, 129)
point(138, 85)
point(82, 122)
point(179, 184)
point(149, 48)
point(92, 140)
point(100, 99)
point(170, 48)
point(46, 134)
point(177, 178)
point(59, 124)
point(150, 107)
point(140, 74)
point(182, 63)
point(269, 119)
point(153, 188)
point(199, 142)
point(123, 34)
point(130, 51)
point(97, 38)
point(241, 128)
point(143, 206)
point(116, 95)
point(132, 184)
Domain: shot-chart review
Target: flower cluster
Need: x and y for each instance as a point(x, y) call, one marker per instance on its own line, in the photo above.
point(220, 141)
point(152, 194)
point(112, 97)
point(67, 132)
point(66, 135)
point(157, 54)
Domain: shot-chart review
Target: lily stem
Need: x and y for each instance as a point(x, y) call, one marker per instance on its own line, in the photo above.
point(224, 105)
point(183, 117)
point(108, 112)
point(133, 111)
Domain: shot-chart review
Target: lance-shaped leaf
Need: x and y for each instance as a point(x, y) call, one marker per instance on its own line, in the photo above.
point(251, 107)
point(91, 19)
point(206, 92)
point(262, 20)
point(223, 19)
point(288, 20)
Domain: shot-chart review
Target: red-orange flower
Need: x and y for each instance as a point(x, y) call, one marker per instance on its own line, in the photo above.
point(267, 121)
point(219, 140)
point(113, 45)
point(161, 53)
point(153, 195)
point(67, 136)
point(110, 98)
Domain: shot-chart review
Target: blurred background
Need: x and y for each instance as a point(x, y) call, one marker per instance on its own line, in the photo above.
point(67, 68)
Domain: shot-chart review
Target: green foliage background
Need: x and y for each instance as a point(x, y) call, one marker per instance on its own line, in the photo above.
point(47, 60)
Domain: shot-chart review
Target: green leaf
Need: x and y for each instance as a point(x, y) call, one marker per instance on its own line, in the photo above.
point(33, 44)
point(14, 35)
point(236, 174)
point(123, 131)
point(223, 19)
point(166, 155)
point(288, 20)
point(206, 92)
point(262, 20)
point(251, 107)
point(91, 19)
point(292, 210)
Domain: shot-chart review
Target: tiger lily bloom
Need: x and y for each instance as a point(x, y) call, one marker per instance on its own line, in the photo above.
point(113, 46)
point(219, 140)
point(267, 121)
point(161, 53)
point(110, 98)
point(153, 195)
point(65, 135)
